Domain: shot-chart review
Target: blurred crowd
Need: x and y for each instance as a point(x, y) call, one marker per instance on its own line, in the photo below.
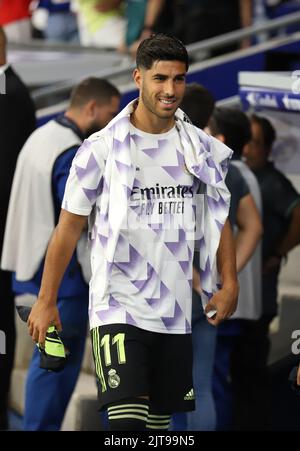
point(122, 24)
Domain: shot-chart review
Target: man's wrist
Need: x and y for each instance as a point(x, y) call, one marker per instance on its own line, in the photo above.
point(47, 300)
point(232, 288)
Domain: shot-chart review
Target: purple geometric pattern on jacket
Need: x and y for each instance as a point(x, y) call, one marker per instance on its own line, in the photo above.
point(143, 284)
point(158, 152)
point(84, 173)
point(200, 156)
point(176, 247)
point(135, 260)
point(113, 306)
point(178, 316)
point(176, 171)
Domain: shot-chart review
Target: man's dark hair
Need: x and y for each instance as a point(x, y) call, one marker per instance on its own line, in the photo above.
point(93, 88)
point(198, 103)
point(161, 47)
point(234, 125)
point(268, 131)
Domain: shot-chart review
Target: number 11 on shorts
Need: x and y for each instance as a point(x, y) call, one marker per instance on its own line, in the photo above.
point(106, 343)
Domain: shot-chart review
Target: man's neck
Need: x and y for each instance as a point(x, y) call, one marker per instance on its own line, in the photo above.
point(262, 167)
point(76, 119)
point(148, 122)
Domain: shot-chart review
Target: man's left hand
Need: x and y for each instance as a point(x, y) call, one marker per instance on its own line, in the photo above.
point(224, 302)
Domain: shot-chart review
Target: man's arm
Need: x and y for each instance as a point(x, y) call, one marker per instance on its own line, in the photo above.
point(290, 240)
point(250, 230)
point(292, 237)
point(153, 10)
point(224, 301)
point(246, 18)
point(60, 250)
point(108, 5)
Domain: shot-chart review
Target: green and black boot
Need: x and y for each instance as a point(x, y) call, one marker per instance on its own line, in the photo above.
point(53, 355)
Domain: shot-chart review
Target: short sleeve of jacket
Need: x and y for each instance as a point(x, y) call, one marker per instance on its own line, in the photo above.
point(238, 189)
point(85, 179)
point(283, 197)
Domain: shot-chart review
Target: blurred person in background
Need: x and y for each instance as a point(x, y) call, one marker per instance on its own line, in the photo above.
point(56, 20)
point(281, 221)
point(203, 19)
point(197, 20)
point(15, 20)
point(17, 121)
point(232, 126)
point(38, 188)
point(198, 103)
point(135, 12)
point(142, 26)
point(101, 23)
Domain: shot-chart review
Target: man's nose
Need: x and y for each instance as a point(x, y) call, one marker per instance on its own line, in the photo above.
point(169, 88)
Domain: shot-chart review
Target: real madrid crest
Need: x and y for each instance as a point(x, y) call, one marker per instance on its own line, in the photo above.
point(113, 379)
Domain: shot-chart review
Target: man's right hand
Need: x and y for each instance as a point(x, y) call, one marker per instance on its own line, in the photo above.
point(41, 317)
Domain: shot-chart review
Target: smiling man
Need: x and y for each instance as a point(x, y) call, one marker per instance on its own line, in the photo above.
point(161, 88)
point(138, 180)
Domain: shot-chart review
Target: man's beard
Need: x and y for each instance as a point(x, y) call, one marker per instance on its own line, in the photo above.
point(152, 108)
point(95, 127)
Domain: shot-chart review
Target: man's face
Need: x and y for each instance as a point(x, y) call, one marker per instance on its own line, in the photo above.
point(255, 153)
point(103, 114)
point(161, 87)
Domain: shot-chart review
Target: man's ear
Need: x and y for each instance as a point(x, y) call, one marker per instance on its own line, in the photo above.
point(90, 107)
point(220, 137)
point(137, 77)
